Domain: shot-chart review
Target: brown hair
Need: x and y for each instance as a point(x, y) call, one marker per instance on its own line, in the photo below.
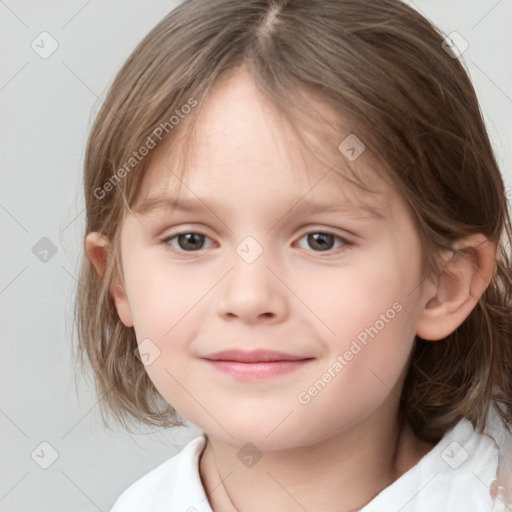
point(381, 67)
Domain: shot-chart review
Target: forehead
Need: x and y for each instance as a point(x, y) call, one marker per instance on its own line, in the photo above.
point(242, 144)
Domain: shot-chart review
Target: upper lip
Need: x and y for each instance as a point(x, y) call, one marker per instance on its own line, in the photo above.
point(253, 356)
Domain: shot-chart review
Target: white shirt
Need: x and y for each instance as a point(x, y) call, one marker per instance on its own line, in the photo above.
point(455, 476)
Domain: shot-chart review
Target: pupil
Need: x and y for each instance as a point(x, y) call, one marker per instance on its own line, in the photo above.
point(320, 240)
point(190, 240)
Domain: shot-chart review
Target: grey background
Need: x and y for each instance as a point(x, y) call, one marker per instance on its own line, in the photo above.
point(46, 109)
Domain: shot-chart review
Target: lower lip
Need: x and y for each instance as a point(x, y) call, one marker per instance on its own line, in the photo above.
point(258, 370)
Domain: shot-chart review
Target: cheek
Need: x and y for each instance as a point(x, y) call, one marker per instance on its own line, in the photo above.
point(168, 304)
point(347, 300)
point(162, 295)
point(366, 358)
point(368, 316)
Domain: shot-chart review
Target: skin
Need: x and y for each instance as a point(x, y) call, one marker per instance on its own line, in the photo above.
point(339, 450)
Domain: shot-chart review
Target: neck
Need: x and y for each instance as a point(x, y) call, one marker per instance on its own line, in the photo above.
point(339, 474)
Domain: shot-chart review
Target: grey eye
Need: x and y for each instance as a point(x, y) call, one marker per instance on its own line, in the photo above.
point(189, 241)
point(320, 241)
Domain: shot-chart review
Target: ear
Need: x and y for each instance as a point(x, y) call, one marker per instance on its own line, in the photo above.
point(460, 285)
point(96, 248)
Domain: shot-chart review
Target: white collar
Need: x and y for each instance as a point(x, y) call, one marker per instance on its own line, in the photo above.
point(455, 476)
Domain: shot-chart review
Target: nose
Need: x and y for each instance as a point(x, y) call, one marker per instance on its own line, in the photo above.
point(253, 292)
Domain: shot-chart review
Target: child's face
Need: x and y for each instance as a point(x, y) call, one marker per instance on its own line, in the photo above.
point(192, 297)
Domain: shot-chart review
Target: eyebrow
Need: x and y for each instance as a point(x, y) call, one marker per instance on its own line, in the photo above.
point(164, 202)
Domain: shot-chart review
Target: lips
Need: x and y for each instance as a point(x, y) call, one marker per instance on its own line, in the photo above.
point(254, 356)
point(256, 365)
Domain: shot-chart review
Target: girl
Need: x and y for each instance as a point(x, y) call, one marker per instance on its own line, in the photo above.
point(341, 329)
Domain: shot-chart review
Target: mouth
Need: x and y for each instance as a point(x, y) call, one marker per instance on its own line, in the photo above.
point(257, 364)
point(254, 356)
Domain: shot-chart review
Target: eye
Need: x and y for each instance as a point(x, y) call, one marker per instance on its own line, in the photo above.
point(322, 241)
point(191, 241)
point(187, 241)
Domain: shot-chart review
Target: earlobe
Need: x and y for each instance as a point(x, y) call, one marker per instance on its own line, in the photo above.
point(124, 311)
point(96, 248)
point(465, 277)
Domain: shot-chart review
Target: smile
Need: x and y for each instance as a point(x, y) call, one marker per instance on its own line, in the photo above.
point(258, 364)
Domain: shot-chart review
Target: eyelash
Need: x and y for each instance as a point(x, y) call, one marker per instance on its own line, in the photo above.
point(346, 244)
